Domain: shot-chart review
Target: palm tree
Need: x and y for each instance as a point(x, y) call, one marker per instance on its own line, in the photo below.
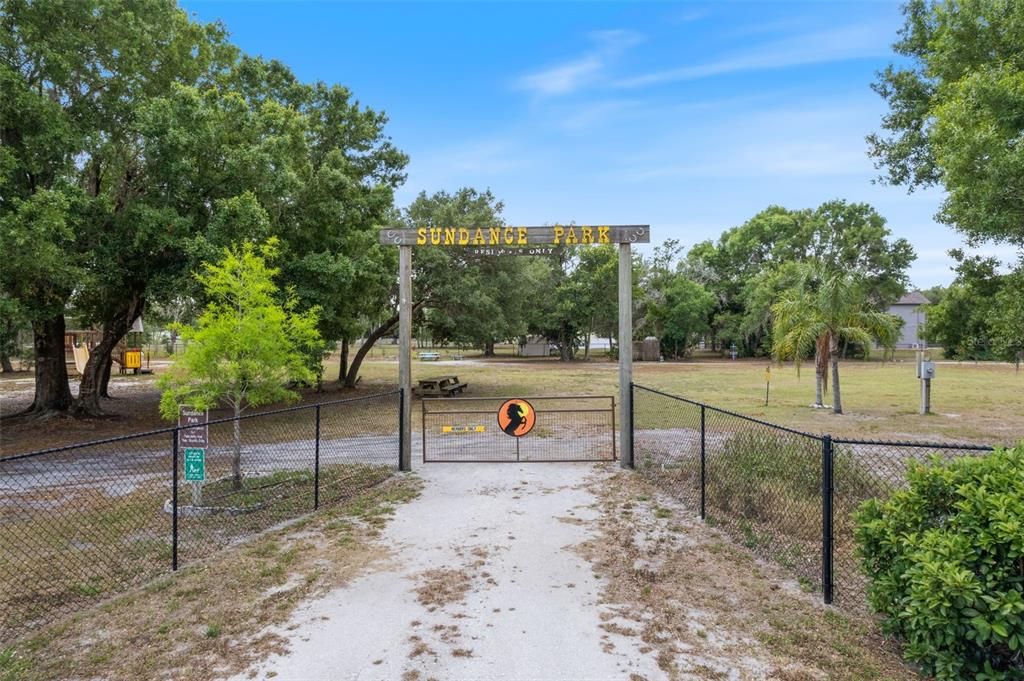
point(822, 310)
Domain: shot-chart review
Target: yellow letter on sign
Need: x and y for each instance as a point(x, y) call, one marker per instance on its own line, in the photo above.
point(421, 236)
point(559, 231)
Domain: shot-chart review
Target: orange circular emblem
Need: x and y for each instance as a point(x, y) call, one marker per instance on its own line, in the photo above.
point(516, 417)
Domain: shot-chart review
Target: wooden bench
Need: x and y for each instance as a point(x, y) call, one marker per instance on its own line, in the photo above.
point(441, 386)
point(429, 356)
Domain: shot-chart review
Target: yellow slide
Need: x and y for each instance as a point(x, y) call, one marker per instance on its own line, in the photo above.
point(81, 357)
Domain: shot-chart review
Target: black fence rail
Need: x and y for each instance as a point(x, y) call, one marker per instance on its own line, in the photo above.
point(787, 495)
point(79, 524)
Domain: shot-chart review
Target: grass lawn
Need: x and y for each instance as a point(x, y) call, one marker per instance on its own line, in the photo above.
point(90, 546)
point(211, 619)
point(972, 402)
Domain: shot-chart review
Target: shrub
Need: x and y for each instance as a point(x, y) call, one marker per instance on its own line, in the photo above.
point(945, 560)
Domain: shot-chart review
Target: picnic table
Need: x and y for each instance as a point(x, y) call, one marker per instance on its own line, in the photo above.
point(429, 356)
point(440, 386)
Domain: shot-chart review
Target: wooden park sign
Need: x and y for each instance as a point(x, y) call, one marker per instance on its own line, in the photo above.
point(504, 235)
point(513, 240)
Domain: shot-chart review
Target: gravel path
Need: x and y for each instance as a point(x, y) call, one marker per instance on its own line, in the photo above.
point(484, 583)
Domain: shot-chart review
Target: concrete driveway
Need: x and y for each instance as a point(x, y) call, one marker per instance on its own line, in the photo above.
point(483, 583)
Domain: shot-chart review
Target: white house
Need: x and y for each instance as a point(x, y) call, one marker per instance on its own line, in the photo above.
point(910, 308)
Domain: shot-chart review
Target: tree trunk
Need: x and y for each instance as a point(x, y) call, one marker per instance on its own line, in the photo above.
point(114, 329)
point(52, 392)
point(105, 379)
point(371, 338)
point(837, 404)
point(8, 332)
point(565, 353)
point(821, 354)
point(343, 361)
point(489, 349)
point(236, 458)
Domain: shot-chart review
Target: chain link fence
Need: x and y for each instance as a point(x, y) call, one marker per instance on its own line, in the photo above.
point(786, 495)
point(79, 524)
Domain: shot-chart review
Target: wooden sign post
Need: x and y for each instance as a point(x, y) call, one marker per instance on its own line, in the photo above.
point(504, 238)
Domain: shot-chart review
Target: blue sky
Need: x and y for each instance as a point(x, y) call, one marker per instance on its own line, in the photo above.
point(690, 117)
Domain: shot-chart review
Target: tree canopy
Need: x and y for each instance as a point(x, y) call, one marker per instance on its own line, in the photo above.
point(152, 143)
point(247, 347)
point(956, 113)
point(745, 268)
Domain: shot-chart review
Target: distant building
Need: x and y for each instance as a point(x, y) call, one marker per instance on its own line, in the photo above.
point(537, 346)
point(909, 309)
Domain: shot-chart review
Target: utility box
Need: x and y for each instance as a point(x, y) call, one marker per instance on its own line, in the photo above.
point(926, 370)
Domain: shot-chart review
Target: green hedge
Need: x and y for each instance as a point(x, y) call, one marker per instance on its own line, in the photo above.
point(945, 559)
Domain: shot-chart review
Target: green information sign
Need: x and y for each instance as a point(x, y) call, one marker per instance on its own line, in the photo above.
point(195, 464)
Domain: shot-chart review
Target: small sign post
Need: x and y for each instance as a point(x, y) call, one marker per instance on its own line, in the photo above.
point(194, 429)
point(767, 382)
point(194, 437)
point(195, 464)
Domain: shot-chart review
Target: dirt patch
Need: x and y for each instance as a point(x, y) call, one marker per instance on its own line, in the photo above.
point(439, 588)
point(706, 608)
point(220, 611)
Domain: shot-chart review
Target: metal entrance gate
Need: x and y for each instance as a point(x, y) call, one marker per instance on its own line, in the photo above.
point(567, 428)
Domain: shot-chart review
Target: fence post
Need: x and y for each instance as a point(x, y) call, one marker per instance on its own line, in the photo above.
point(174, 500)
point(316, 463)
point(401, 428)
point(632, 423)
point(827, 491)
point(703, 465)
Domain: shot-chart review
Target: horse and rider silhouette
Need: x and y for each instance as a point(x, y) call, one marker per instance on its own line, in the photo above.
point(516, 418)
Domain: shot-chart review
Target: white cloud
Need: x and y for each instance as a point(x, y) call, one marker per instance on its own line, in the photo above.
point(476, 163)
point(849, 42)
point(689, 16)
point(810, 139)
point(586, 117)
point(584, 70)
point(565, 78)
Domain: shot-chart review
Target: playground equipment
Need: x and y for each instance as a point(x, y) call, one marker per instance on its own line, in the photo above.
point(128, 355)
point(81, 354)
